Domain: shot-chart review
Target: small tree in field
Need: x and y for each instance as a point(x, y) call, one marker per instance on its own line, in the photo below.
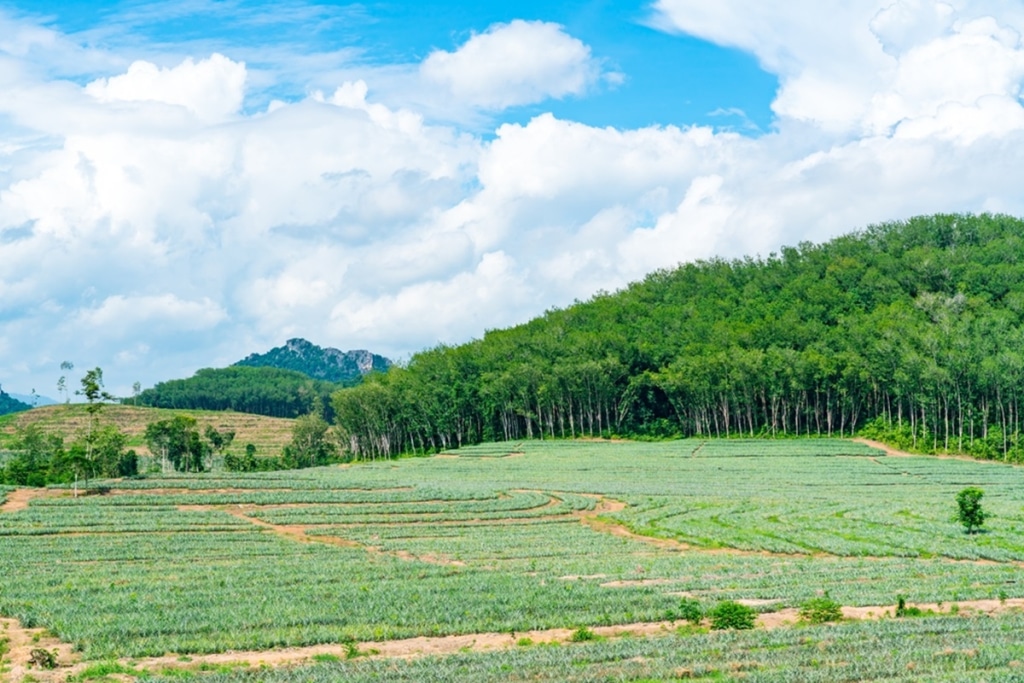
point(969, 512)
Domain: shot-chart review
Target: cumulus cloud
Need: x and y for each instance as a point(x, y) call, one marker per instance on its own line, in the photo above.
point(150, 225)
point(212, 89)
point(522, 62)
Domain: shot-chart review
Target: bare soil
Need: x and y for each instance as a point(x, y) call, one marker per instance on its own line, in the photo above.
point(20, 498)
point(895, 453)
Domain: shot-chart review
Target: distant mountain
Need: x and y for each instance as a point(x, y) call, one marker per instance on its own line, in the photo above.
point(9, 404)
point(330, 365)
point(36, 400)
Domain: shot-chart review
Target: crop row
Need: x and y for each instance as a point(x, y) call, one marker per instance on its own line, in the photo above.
point(896, 651)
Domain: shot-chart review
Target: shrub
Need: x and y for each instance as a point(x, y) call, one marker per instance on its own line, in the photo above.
point(691, 610)
point(44, 659)
point(903, 611)
point(821, 610)
point(729, 614)
point(582, 635)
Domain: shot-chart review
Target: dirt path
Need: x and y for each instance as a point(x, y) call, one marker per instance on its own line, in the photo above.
point(22, 641)
point(19, 499)
point(894, 453)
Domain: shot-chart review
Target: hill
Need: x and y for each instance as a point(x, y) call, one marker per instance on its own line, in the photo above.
point(9, 404)
point(259, 390)
point(268, 434)
point(327, 364)
point(910, 331)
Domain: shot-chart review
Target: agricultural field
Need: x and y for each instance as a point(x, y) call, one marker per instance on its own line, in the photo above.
point(268, 434)
point(531, 542)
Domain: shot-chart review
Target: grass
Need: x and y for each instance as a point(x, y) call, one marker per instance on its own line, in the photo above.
point(268, 434)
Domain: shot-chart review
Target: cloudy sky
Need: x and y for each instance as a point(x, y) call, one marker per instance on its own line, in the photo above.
point(184, 182)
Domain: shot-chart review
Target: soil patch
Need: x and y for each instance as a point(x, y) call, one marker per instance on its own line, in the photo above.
point(20, 644)
point(895, 453)
point(20, 498)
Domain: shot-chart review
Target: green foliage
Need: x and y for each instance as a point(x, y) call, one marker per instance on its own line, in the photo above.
point(729, 614)
point(820, 610)
point(582, 635)
point(9, 404)
point(691, 610)
point(969, 511)
point(311, 444)
point(903, 610)
point(177, 441)
point(102, 670)
point(261, 390)
point(881, 330)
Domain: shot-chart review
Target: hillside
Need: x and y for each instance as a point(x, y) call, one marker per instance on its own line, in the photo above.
point(268, 434)
point(327, 364)
point(911, 331)
point(9, 404)
point(259, 390)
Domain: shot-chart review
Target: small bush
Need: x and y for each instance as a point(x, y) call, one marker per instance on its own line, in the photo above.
point(44, 659)
point(691, 610)
point(903, 611)
point(729, 614)
point(821, 610)
point(582, 635)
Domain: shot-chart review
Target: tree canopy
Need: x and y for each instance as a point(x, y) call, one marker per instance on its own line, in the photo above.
point(261, 390)
point(912, 331)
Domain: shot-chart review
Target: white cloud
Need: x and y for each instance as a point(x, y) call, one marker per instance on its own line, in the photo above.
point(151, 226)
point(522, 62)
point(212, 89)
point(118, 313)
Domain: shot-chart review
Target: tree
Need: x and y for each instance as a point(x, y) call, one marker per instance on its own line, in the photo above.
point(311, 444)
point(969, 512)
point(219, 441)
point(62, 383)
point(177, 441)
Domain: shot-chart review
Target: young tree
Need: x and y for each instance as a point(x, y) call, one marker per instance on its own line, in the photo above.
point(95, 396)
point(969, 512)
point(62, 383)
point(219, 441)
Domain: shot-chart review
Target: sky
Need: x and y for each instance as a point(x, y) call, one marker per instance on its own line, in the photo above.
point(184, 183)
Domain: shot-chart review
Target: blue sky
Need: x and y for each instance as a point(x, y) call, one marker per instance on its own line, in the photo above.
point(184, 183)
point(667, 77)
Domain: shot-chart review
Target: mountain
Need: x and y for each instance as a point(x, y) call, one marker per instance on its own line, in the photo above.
point(37, 400)
point(327, 364)
point(9, 404)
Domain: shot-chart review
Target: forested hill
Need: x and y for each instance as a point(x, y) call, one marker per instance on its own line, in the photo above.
point(9, 404)
point(913, 329)
point(262, 391)
point(328, 364)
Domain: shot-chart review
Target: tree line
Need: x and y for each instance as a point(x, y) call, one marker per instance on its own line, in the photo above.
point(910, 331)
point(100, 450)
